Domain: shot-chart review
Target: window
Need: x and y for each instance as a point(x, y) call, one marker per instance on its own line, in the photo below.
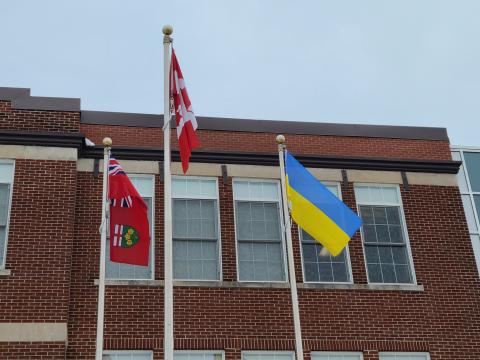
point(145, 187)
point(197, 355)
point(6, 181)
point(127, 355)
point(320, 267)
point(258, 230)
point(387, 254)
point(324, 355)
point(195, 229)
point(267, 355)
point(404, 356)
point(468, 178)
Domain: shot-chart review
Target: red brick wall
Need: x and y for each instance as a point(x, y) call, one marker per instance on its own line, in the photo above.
point(265, 142)
point(39, 243)
point(38, 120)
point(32, 351)
point(443, 319)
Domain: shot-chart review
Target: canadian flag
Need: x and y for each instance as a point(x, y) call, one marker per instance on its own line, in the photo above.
point(186, 122)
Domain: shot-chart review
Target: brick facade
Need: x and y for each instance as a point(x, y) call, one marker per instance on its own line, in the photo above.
point(53, 255)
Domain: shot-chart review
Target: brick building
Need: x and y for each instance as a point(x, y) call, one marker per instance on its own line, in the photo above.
point(406, 288)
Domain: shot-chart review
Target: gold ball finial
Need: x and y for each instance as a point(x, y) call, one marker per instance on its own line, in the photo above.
point(280, 139)
point(107, 141)
point(167, 30)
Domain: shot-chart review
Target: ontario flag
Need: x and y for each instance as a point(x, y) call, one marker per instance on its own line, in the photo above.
point(186, 122)
point(129, 230)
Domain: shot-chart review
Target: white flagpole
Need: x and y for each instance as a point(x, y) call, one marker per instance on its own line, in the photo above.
point(168, 288)
point(107, 143)
point(291, 265)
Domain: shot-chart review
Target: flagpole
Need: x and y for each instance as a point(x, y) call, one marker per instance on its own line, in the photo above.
point(168, 288)
point(107, 143)
point(291, 266)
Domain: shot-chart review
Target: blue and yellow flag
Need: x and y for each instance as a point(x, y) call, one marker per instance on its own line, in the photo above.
point(317, 210)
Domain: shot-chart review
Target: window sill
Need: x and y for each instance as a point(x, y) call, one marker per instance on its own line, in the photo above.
point(268, 285)
point(378, 287)
point(209, 284)
point(5, 272)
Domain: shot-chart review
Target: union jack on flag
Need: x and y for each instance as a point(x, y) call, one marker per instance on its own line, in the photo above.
point(114, 169)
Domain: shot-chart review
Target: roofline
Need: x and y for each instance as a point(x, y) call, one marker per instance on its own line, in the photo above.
point(271, 126)
point(21, 99)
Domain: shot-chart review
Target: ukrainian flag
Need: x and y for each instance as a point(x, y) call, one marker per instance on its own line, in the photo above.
point(317, 210)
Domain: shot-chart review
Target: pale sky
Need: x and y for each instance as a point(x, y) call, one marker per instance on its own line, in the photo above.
point(401, 62)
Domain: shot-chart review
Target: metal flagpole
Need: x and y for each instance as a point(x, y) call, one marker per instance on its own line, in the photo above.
point(291, 266)
point(168, 288)
point(107, 143)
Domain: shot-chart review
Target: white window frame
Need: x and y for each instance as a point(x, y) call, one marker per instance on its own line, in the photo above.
point(128, 352)
point(152, 230)
point(395, 353)
point(268, 352)
point(9, 213)
point(471, 194)
point(337, 353)
point(282, 226)
point(347, 250)
point(404, 228)
point(206, 352)
point(219, 229)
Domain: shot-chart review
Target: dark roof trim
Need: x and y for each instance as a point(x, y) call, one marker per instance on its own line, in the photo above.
point(21, 99)
point(71, 140)
point(270, 126)
point(268, 159)
point(77, 140)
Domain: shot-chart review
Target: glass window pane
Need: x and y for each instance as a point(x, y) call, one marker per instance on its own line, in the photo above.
point(246, 270)
point(369, 233)
point(393, 215)
point(2, 244)
point(339, 272)
point(362, 194)
point(194, 187)
point(382, 233)
point(390, 195)
point(4, 199)
point(385, 253)
point(400, 255)
point(6, 172)
point(179, 187)
point(388, 272)
point(209, 188)
point(376, 194)
point(311, 271)
point(380, 215)
point(396, 234)
point(270, 190)
point(325, 271)
point(403, 274)
point(372, 255)
point(241, 190)
point(472, 162)
point(476, 199)
point(366, 212)
point(374, 273)
point(467, 205)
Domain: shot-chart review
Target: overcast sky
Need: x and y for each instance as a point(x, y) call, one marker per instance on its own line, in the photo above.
point(402, 62)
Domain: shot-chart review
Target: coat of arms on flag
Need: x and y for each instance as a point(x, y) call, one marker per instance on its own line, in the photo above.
point(129, 230)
